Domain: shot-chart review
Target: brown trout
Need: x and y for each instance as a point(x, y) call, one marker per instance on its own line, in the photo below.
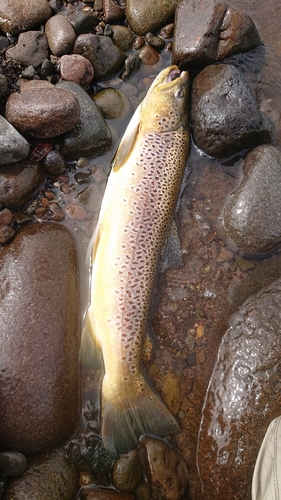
point(133, 226)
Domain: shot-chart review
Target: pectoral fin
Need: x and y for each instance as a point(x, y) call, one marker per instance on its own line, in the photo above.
point(172, 253)
point(127, 143)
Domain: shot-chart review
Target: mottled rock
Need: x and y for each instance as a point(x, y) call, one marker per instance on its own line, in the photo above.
point(127, 473)
point(155, 41)
point(91, 136)
point(38, 339)
point(49, 477)
point(147, 16)
point(148, 55)
point(122, 37)
point(106, 58)
point(54, 162)
point(242, 399)
point(31, 49)
point(225, 117)
point(19, 182)
point(76, 68)
point(17, 16)
point(209, 31)
point(112, 103)
point(60, 35)
point(13, 146)
point(166, 471)
point(252, 216)
point(12, 463)
point(113, 13)
point(42, 110)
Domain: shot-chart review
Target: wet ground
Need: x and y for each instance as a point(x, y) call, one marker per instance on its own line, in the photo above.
point(193, 304)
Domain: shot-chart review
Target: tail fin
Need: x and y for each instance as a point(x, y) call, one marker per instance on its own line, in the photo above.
point(128, 415)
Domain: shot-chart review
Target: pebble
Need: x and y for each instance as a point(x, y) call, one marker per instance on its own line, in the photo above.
point(127, 473)
point(200, 331)
point(146, 16)
point(113, 13)
point(6, 216)
point(31, 49)
point(200, 358)
point(19, 182)
point(148, 55)
point(112, 103)
point(17, 16)
point(54, 163)
point(60, 35)
point(155, 41)
point(76, 212)
point(6, 234)
point(13, 146)
point(122, 37)
point(42, 110)
point(12, 463)
point(82, 20)
point(225, 255)
point(76, 68)
point(171, 392)
point(91, 197)
point(244, 264)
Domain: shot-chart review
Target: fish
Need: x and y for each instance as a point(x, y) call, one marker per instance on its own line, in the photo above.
point(133, 227)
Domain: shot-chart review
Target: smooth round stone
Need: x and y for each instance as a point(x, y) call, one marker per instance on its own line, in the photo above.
point(148, 55)
point(13, 146)
point(112, 103)
point(31, 49)
point(6, 234)
point(38, 338)
point(12, 463)
point(113, 13)
point(17, 16)
point(91, 136)
point(127, 473)
point(19, 182)
point(122, 37)
point(251, 220)
point(42, 110)
point(49, 476)
point(76, 68)
point(54, 163)
point(60, 34)
point(151, 16)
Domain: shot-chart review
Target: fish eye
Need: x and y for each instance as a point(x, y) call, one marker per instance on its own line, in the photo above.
point(179, 94)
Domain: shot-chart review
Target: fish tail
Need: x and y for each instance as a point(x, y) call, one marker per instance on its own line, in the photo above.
point(127, 417)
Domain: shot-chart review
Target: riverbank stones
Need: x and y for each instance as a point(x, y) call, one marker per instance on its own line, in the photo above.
point(17, 16)
point(13, 146)
point(42, 110)
point(60, 35)
point(19, 182)
point(31, 50)
point(243, 397)
point(225, 117)
point(38, 339)
point(147, 16)
point(251, 219)
point(76, 68)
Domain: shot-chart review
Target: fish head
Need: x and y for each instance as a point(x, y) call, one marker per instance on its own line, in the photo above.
point(165, 107)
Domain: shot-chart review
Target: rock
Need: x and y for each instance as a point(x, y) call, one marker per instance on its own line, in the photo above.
point(19, 182)
point(171, 393)
point(225, 117)
point(106, 58)
point(76, 68)
point(155, 41)
point(122, 37)
point(6, 216)
point(13, 146)
point(17, 16)
point(113, 13)
point(209, 31)
point(3, 85)
point(76, 212)
point(42, 110)
point(93, 493)
point(82, 20)
point(31, 49)
point(54, 163)
point(112, 103)
point(6, 234)
point(49, 477)
point(12, 463)
point(60, 34)
point(131, 64)
point(127, 473)
point(38, 339)
point(91, 136)
point(147, 16)
point(166, 472)
point(91, 197)
point(250, 221)
point(242, 398)
point(148, 55)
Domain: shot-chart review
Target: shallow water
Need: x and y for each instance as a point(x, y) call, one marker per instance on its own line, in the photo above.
point(204, 292)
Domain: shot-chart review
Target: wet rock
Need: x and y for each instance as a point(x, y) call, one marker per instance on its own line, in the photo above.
point(3, 85)
point(13, 146)
point(225, 117)
point(93, 493)
point(91, 197)
point(31, 49)
point(38, 339)
point(6, 216)
point(171, 392)
point(76, 212)
point(242, 399)
point(147, 16)
point(12, 463)
point(76, 68)
point(54, 213)
point(112, 103)
point(42, 110)
point(49, 477)
point(54, 163)
point(148, 55)
point(17, 16)
point(91, 136)
point(166, 471)
point(60, 35)
point(251, 221)
point(122, 37)
point(19, 182)
point(209, 31)
point(6, 234)
point(81, 20)
point(155, 41)
point(106, 58)
point(113, 13)
point(127, 474)
point(167, 32)
point(131, 65)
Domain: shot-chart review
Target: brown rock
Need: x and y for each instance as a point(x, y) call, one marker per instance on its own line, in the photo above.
point(113, 13)
point(147, 15)
point(38, 339)
point(19, 182)
point(6, 234)
point(76, 68)
point(148, 55)
point(42, 111)
point(242, 399)
point(166, 471)
point(6, 216)
point(31, 49)
point(104, 494)
point(60, 34)
point(127, 474)
point(17, 16)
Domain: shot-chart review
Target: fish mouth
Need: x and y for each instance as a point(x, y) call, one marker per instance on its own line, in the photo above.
point(173, 75)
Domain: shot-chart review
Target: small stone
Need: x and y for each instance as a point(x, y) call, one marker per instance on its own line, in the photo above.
point(131, 65)
point(225, 255)
point(155, 41)
point(186, 404)
point(127, 473)
point(17, 16)
point(148, 55)
point(57, 214)
point(91, 197)
point(167, 31)
point(54, 163)
point(191, 359)
point(31, 49)
point(6, 217)
point(85, 478)
point(76, 68)
point(6, 234)
point(112, 103)
point(153, 369)
point(122, 37)
point(244, 264)
point(82, 178)
point(28, 73)
point(75, 212)
point(113, 13)
point(200, 358)
point(189, 341)
point(171, 392)
point(98, 174)
point(12, 463)
point(138, 42)
point(200, 331)
point(60, 34)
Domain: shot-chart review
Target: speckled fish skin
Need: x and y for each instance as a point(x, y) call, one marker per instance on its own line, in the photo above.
point(133, 226)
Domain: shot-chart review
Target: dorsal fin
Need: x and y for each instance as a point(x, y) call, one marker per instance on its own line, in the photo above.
point(127, 142)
